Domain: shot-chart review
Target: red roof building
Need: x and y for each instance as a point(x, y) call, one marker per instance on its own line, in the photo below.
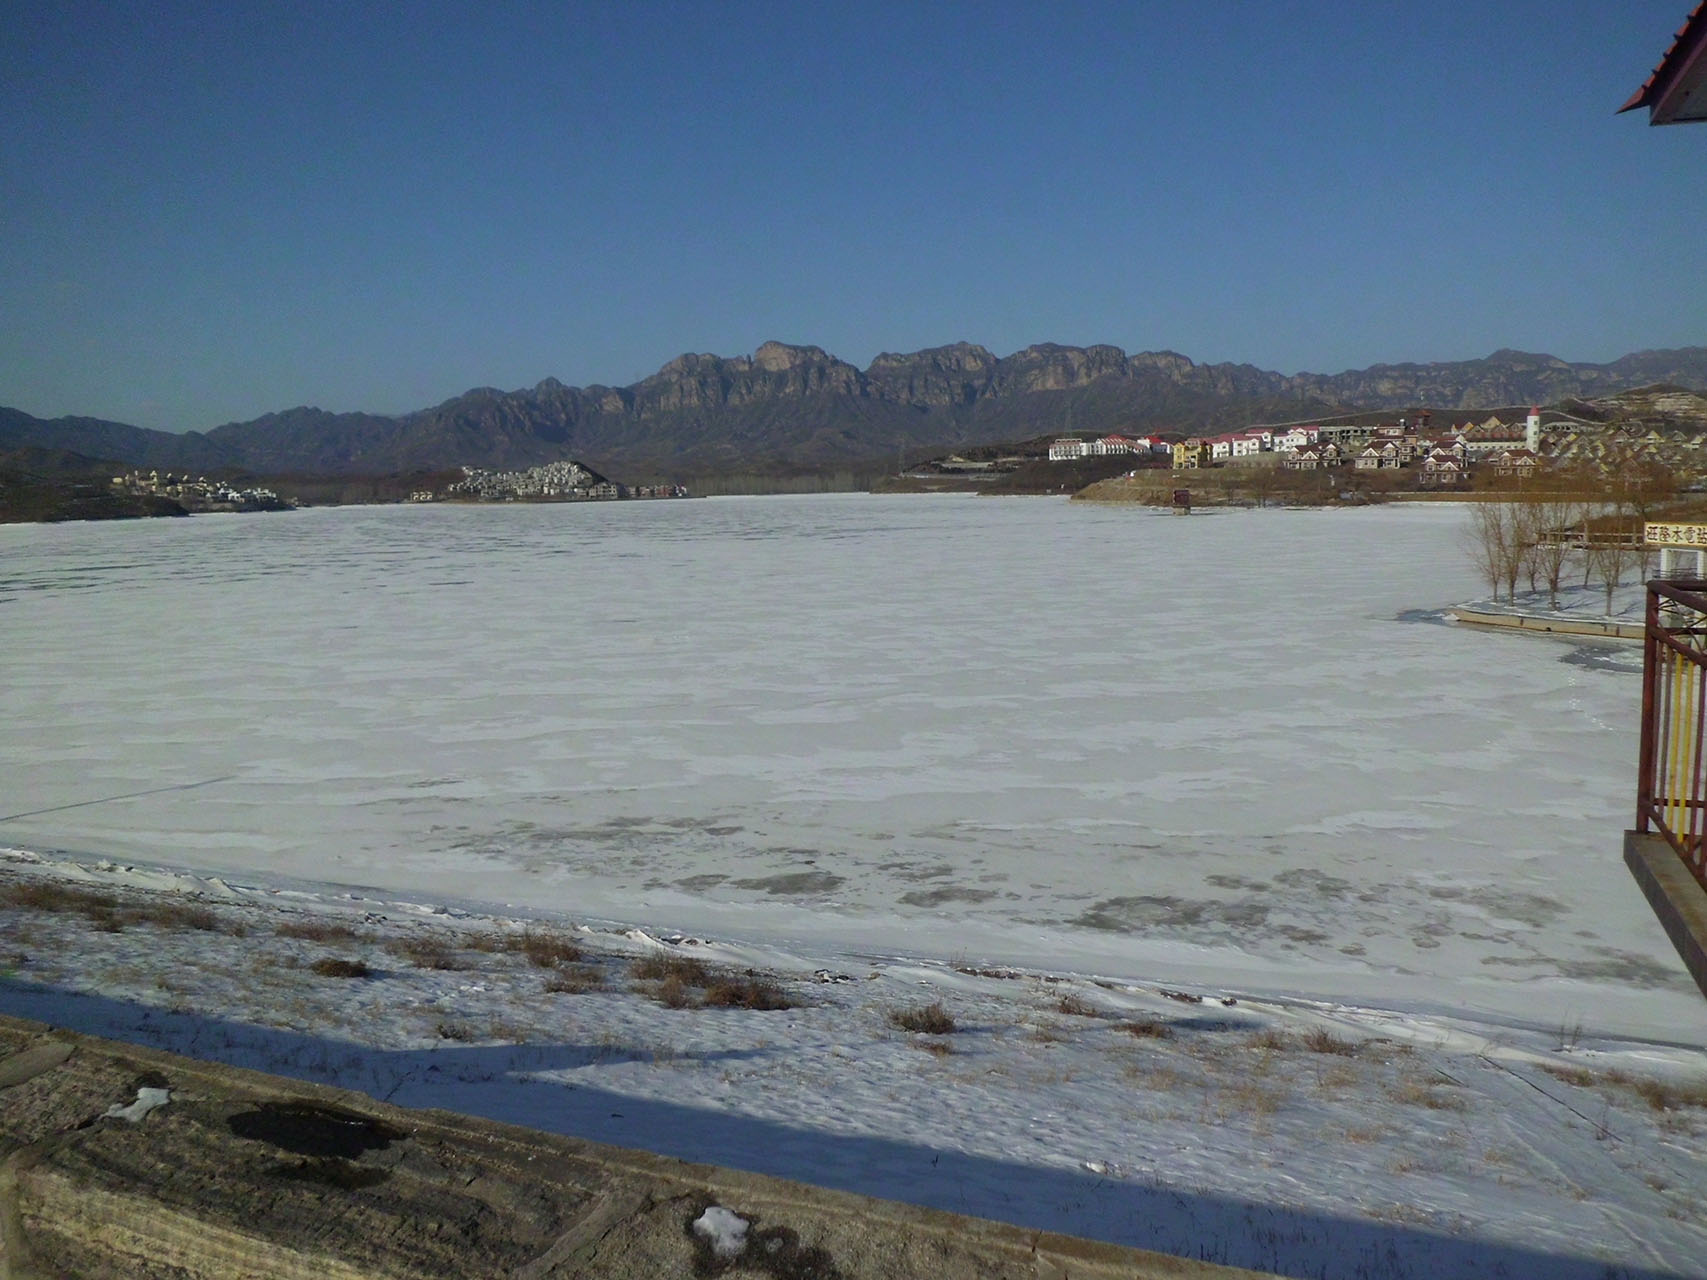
point(1677, 91)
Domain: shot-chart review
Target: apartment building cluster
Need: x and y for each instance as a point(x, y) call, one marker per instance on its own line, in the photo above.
point(560, 480)
point(197, 493)
point(1440, 459)
point(563, 481)
point(1068, 448)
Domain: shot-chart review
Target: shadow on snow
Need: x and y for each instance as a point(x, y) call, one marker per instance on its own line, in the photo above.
point(494, 1082)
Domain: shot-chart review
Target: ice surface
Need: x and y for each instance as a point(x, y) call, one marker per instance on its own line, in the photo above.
point(1092, 739)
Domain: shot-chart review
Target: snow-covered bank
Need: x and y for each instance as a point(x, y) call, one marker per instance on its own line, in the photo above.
point(1316, 1140)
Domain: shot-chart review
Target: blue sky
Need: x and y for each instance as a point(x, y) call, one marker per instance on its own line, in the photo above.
point(212, 211)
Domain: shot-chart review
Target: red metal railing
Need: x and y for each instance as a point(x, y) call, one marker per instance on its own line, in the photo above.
point(1671, 790)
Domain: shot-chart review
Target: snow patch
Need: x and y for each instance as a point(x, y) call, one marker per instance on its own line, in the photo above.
point(147, 1100)
point(725, 1229)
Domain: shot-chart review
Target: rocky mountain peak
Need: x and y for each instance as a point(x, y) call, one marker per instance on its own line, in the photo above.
point(957, 357)
point(778, 357)
point(1170, 362)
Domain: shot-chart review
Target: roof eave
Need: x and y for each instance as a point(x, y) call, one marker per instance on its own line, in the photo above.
point(1681, 72)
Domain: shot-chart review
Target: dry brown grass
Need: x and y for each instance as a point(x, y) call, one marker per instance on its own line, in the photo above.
point(1158, 1079)
point(426, 953)
point(1339, 1076)
point(676, 982)
point(1363, 1135)
point(674, 993)
point(750, 991)
point(575, 980)
point(660, 968)
point(1663, 1096)
point(46, 895)
point(1076, 1007)
point(183, 915)
point(1321, 1040)
point(111, 914)
point(1251, 1098)
point(681, 982)
point(1148, 1029)
point(546, 950)
point(317, 931)
point(337, 967)
point(941, 1048)
point(1427, 1094)
point(929, 1019)
point(1271, 1041)
point(1571, 1075)
point(505, 1032)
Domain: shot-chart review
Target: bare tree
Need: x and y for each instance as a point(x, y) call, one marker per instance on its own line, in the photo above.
point(1264, 481)
point(1513, 548)
point(1610, 556)
point(1554, 521)
point(1642, 484)
point(1486, 536)
point(1526, 531)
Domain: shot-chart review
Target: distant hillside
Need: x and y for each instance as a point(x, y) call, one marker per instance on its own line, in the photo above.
point(40, 484)
point(790, 409)
point(115, 441)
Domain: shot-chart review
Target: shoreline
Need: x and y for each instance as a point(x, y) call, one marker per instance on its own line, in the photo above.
point(1607, 628)
point(1320, 1109)
point(1487, 1008)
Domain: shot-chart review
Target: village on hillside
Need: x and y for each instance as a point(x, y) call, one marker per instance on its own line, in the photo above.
point(1430, 457)
point(563, 481)
point(198, 493)
point(1357, 456)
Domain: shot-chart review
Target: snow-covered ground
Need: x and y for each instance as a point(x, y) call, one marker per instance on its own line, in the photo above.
point(983, 751)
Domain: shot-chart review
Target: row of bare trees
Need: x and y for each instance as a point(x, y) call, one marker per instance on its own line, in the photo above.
point(1541, 539)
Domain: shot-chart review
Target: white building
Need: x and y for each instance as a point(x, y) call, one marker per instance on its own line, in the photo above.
point(1294, 438)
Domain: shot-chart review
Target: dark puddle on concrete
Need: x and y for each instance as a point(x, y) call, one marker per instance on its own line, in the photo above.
point(328, 1140)
point(307, 1130)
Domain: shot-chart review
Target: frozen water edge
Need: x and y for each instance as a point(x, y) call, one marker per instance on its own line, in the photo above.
point(1091, 741)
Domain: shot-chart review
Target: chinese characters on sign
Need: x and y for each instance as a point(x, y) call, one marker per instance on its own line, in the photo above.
point(1675, 535)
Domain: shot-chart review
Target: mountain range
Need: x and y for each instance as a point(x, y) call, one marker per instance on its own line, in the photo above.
point(793, 409)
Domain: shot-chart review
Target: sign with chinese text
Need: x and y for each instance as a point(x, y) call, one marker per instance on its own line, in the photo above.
point(1675, 535)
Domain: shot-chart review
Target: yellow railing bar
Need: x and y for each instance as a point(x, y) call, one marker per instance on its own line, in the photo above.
point(1679, 765)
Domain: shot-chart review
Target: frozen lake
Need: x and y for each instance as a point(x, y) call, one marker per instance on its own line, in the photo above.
point(1021, 731)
